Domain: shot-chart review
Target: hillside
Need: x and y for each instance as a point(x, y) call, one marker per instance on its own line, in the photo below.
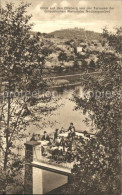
point(76, 33)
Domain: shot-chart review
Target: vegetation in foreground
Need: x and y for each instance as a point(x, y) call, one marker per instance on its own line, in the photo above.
point(99, 170)
point(22, 55)
point(22, 62)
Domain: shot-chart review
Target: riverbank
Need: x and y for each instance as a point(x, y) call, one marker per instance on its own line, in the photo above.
point(70, 80)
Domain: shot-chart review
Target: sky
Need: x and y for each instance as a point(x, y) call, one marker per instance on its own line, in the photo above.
point(49, 22)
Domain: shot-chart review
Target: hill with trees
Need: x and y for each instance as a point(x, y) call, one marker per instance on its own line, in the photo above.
point(76, 33)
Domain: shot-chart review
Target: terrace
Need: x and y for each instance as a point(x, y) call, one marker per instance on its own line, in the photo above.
point(58, 156)
point(52, 161)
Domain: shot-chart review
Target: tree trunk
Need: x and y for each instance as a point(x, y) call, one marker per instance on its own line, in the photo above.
point(7, 142)
point(7, 131)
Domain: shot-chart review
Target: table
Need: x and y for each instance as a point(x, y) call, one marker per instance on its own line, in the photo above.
point(44, 143)
point(63, 134)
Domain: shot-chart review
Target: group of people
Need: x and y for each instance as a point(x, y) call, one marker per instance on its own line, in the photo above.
point(60, 144)
point(64, 144)
point(46, 137)
point(71, 132)
point(37, 137)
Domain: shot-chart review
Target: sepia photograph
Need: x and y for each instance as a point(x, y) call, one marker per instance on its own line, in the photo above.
point(60, 96)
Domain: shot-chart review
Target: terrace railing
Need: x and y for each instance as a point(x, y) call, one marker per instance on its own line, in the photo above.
point(38, 157)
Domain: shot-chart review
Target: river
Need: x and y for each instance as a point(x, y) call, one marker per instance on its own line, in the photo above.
point(62, 116)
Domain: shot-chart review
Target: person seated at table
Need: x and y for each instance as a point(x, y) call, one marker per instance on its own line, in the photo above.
point(45, 137)
point(62, 130)
point(39, 137)
point(62, 143)
point(69, 133)
point(85, 133)
point(56, 135)
point(60, 148)
point(71, 130)
point(36, 137)
point(33, 138)
point(58, 141)
point(71, 127)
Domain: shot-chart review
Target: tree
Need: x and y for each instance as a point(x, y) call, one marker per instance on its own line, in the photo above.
point(62, 57)
point(114, 39)
point(92, 65)
point(100, 162)
point(22, 62)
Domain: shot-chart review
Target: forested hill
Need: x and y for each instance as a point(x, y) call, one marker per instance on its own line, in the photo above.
point(76, 33)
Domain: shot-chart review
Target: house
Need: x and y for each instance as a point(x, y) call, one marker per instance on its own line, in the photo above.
point(79, 49)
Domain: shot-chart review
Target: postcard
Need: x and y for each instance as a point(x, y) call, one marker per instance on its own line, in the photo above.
point(60, 93)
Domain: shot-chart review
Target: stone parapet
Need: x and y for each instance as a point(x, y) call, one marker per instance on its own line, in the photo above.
point(29, 154)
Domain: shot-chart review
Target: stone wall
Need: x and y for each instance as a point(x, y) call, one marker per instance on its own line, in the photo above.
point(37, 180)
point(29, 153)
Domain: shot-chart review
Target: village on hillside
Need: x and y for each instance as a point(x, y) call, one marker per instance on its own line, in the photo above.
point(67, 54)
point(70, 52)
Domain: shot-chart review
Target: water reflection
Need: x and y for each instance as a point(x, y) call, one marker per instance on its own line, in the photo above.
point(64, 114)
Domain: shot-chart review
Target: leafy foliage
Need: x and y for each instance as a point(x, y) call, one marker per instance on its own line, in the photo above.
point(62, 57)
point(99, 170)
point(22, 62)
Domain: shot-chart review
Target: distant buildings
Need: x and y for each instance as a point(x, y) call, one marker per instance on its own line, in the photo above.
point(79, 49)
